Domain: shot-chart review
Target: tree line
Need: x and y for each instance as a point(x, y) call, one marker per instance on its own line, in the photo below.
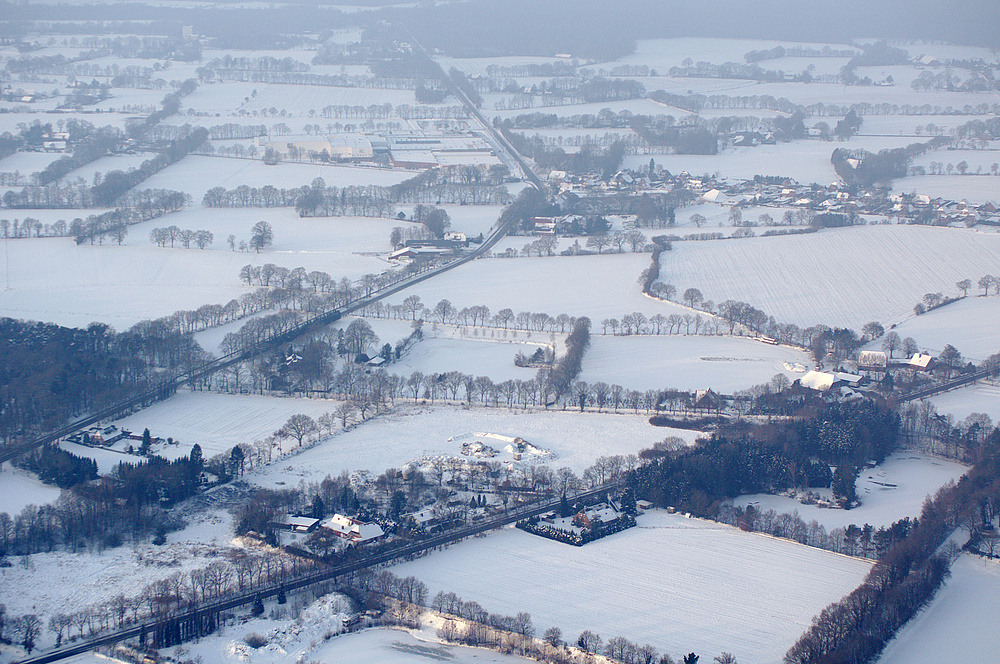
point(171, 234)
point(450, 185)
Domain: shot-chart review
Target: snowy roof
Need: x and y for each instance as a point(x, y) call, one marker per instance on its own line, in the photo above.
point(920, 360)
point(351, 529)
point(817, 380)
point(298, 522)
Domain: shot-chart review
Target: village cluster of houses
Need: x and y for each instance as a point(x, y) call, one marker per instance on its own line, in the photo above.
point(787, 193)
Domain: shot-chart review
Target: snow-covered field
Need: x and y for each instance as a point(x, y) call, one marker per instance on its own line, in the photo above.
point(300, 99)
point(688, 585)
point(724, 364)
point(493, 357)
point(594, 286)
point(218, 422)
point(197, 174)
point(410, 432)
point(19, 488)
point(314, 637)
point(969, 325)
point(975, 189)
point(804, 161)
point(842, 277)
point(979, 398)
point(122, 285)
point(25, 162)
point(958, 624)
point(888, 493)
point(116, 285)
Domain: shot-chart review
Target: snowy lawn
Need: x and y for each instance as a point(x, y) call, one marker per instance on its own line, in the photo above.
point(888, 493)
point(680, 584)
point(595, 286)
point(409, 433)
point(842, 277)
point(19, 488)
point(725, 364)
point(959, 623)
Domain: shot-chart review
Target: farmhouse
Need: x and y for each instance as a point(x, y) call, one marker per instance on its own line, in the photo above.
point(352, 530)
point(921, 362)
point(602, 513)
point(824, 381)
point(706, 400)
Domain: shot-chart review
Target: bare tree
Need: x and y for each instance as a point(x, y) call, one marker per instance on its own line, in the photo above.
point(891, 343)
point(598, 242)
point(298, 426)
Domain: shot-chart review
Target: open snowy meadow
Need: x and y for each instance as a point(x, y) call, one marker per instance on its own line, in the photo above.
point(19, 488)
point(958, 624)
point(724, 364)
point(970, 325)
point(976, 190)
point(196, 174)
point(406, 433)
point(979, 398)
point(889, 492)
point(841, 277)
point(686, 585)
point(217, 422)
point(121, 285)
point(594, 286)
point(409, 433)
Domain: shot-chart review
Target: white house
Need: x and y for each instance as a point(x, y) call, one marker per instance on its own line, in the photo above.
point(352, 530)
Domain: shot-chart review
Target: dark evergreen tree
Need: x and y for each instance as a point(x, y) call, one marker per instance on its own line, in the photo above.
point(196, 457)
